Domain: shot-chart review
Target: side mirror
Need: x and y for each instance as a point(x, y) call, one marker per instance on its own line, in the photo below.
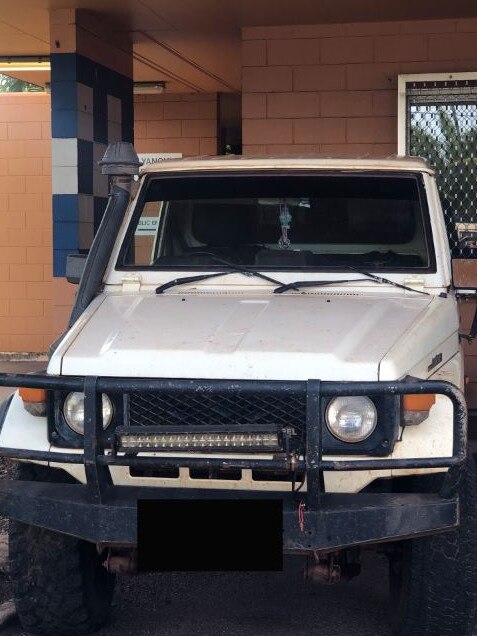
point(467, 234)
point(74, 267)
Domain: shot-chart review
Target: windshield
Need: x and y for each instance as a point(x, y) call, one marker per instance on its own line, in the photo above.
point(275, 222)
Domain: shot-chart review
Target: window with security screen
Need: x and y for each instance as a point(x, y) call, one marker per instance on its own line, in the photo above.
point(438, 121)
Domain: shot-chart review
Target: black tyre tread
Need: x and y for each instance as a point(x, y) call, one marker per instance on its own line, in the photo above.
point(439, 585)
point(59, 587)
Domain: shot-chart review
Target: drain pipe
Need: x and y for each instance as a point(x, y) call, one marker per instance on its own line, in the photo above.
point(121, 163)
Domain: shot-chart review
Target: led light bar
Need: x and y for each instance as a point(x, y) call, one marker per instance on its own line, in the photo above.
point(154, 439)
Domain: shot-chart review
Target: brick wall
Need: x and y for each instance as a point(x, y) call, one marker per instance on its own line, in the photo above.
point(25, 223)
point(34, 306)
point(176, 123)
point(333, 88)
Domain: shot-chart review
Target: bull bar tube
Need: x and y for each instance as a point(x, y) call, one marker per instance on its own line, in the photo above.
point(100, 512)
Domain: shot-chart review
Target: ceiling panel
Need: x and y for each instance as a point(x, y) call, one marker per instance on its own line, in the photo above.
point(230, 15)
point(209, 63)
point(194, 44)
point(29, 35)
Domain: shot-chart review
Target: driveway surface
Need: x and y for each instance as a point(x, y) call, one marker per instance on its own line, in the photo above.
point(258, 604)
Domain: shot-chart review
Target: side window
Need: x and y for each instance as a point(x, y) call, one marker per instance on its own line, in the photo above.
point(143, 248)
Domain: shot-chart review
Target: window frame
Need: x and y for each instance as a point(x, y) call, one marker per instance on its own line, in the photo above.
point(405, 79)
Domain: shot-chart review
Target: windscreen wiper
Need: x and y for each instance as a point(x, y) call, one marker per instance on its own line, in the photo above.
point(321, 283)
point(314, 283)
point(240, 268)
point(232, 269)
point(387, 281)
point(188, 279)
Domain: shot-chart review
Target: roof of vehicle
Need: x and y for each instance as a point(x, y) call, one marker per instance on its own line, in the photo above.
point(239, 162)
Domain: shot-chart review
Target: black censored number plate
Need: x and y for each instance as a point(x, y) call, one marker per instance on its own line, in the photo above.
point(209, 534)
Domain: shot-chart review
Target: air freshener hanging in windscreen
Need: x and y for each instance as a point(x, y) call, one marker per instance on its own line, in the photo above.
point(285, 221)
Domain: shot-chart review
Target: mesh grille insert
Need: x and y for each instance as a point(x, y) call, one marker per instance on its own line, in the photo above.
point(228, 408)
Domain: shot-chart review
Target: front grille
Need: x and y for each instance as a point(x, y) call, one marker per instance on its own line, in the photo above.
point(230, 408)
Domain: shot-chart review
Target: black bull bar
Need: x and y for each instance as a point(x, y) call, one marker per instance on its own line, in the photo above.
point(100, 512)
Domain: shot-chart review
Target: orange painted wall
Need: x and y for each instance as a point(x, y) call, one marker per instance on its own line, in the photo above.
point(333, 88)
point(176, 123)
point(25, 223)
point(34, 306)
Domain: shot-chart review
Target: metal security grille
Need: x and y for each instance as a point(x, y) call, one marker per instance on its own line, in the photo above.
point(230, 408)
point(442, 127)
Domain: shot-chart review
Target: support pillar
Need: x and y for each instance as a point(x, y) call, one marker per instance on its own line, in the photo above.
point(91, 106)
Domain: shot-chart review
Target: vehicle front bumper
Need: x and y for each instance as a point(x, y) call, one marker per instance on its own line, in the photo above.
point(313, 520)
point(342, 520)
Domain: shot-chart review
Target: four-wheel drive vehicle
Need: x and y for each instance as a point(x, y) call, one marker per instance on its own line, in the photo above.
point(252, 329)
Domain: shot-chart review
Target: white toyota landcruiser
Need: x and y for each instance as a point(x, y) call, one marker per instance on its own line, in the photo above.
point(277, 337)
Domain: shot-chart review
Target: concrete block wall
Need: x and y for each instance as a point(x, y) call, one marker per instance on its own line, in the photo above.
point(333, 88)
point(34, 306)
point(176, 123)
point(26, 254)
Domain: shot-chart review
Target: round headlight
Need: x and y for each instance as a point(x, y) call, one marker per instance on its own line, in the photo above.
point(73, 410)
point(351, 419)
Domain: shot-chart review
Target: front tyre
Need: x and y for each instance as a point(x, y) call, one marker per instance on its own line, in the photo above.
point(60, 587)
point(433, 580)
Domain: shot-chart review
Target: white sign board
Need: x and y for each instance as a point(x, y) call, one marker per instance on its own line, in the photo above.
point(147, 226)
point(150, 158)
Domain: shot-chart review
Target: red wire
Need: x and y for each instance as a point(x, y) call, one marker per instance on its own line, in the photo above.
point(301, 516)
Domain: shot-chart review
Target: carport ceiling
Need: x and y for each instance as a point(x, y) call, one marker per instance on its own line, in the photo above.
point(195, 44)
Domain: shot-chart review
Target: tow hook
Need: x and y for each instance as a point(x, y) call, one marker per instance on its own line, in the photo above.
point(331, 567)
point(121, 560)
point(322, 569)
